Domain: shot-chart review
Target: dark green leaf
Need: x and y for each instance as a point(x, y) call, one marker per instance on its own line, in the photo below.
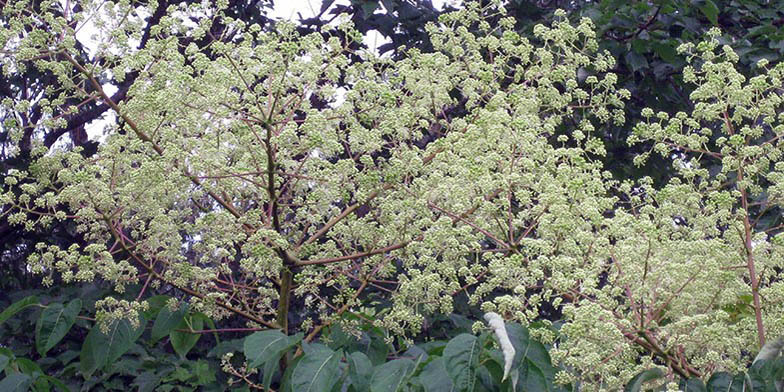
point(28, 367)
point(262, 345)
point(527, 348)
point(711, 11)
point(57, 383)
point(370, 343)
point(435, 378)
point(461, 357)
point(16, 382)
point(154, 305)
point(54, 323)
point(226, 346)
point(5, 357)
point(167, 321)
point(265, 348)
point(391, 376)
point(532, 378)
point(760, 30)
point(183, 342)
point(725, 382)
point(147, 381)
point(17, 306)
point(317, 370)
point(665, 51)
point(636, 383)
point(360, 370)
point(204, 374)
point(636, 61)
point(693, 385)
point(101, 348)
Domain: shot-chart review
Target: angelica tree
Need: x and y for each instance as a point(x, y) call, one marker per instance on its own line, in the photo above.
point(473, 169)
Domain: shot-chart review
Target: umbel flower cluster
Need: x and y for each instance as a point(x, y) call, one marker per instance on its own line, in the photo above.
point(280, 177)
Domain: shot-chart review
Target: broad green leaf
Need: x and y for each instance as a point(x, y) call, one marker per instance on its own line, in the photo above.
point(17, 306)
point(527, 348)
point(435, 378)
point(226, 346)
point(16, 382)
point(5, 357)
point(635, 61)
point(147, 381)
point(61, 386)
point(204, 375)
point(285, 381)
point(711, 11)
point(636, 383)
point(167, 321)
point(665, 51)
point(54, 323)
point(154, 305)
point(183, 342)
point(260, 346)
point(265, 348)
point(461, 357)
point(532, 378)
point(27, 366)
point(370, 343)
point(360, 370)
point(391, 376)
point(725, 382)
point(317, 370)
point(692, 385)
point(101, 348)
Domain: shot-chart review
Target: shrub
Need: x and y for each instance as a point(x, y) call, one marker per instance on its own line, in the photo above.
point(294, 181)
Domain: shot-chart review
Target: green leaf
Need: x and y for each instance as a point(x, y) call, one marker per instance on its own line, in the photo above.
point(370, 343)
point(461, 357)
point(635, 384)
point(28, 367)
point(725, 382)
point(369, 7)
point(54, 323)
point(147, 381)
point(435, 378)
point(183, 342)
point(285, 382)
point(57, 383)
point(711, 11)
point(17, 306)
point(265, 348)
point(5, 357)
point(317, 370)
point(154, 305)
point(636, 61)
point(532, 378)
point(666, 52)
point(16, 382)
point(260, 346)
point(101, 348)
point(167, 321)
point(692, 385)
point(391, 376)
point(360, 370)
point(530, 349)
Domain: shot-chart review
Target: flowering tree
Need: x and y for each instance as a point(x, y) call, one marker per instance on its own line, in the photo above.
point(473, 169)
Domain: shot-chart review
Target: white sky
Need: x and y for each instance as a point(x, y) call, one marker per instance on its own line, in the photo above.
point(283, 9)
